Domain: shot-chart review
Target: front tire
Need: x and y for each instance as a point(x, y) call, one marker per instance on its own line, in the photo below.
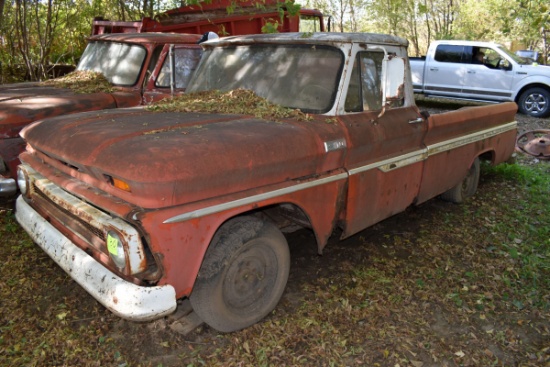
point(535, 102)
point(243, 275)
point(465, 188)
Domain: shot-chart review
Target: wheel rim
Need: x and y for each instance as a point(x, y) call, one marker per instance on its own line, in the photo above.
point(535, 103)
point(250, 279)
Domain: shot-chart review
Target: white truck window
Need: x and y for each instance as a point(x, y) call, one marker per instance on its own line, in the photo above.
point(365, 86)
point(451, 53)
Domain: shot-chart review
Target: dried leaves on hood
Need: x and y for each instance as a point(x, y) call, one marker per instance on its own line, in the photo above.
point(82, 81)
point(239, 101)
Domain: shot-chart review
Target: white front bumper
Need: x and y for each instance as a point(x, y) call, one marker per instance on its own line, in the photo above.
point(125, 299)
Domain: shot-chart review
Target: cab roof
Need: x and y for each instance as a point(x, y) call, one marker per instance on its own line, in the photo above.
point(317, 37)
point(159, 38)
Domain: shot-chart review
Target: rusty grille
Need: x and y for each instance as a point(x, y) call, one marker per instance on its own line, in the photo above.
point(98, 233)
point(89, 237)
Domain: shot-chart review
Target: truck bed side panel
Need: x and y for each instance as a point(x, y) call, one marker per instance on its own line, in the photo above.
point(456, 138)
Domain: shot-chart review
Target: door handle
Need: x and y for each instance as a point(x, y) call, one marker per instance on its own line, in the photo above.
point(471, 72)
point(416, 121)
point(434, 69)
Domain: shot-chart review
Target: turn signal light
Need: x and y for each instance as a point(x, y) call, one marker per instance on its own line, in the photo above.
point(121, 185)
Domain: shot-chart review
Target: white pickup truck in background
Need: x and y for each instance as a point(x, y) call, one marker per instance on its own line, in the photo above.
point(482, 71)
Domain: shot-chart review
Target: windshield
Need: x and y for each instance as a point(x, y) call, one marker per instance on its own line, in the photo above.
point(120, 63)
point(516, 58)
point(295, 76)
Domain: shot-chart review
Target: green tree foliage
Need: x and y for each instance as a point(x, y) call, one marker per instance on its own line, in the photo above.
point(37, 33)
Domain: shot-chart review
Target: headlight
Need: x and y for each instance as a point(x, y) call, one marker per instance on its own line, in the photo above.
point(22, 180)
point(116, 249)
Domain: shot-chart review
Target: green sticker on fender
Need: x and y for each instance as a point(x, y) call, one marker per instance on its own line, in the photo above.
point(112, 245)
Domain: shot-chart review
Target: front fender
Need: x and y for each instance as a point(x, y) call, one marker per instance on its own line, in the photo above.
point(530, 81)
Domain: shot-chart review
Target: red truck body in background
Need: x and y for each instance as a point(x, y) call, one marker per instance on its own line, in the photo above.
point(247, 18)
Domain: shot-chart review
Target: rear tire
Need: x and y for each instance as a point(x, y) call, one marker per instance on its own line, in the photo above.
point(465, 188)
point(243, 275)
point(535, 102)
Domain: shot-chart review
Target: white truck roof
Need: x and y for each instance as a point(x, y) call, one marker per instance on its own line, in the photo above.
point(318, 37)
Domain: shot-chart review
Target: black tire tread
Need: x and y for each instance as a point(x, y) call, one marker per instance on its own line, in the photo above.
point(206, 297)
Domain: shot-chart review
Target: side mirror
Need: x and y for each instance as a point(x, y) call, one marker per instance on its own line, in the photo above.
point(504, 64)
point(395, 79)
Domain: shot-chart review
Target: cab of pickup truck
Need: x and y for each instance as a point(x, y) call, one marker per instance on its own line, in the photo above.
point(482, 71)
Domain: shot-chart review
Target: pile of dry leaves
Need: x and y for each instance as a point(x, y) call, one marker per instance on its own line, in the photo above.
point(239, 101)
point(82, 81)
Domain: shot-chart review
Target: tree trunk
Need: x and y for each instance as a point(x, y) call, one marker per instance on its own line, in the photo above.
point(1, 11)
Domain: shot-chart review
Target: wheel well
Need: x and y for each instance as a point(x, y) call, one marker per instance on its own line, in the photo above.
point(529, 86)
point(487, 156)
point(288, 217)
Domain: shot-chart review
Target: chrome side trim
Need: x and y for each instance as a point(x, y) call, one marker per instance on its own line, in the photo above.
point(468, 139)
point(393, 163)
point(253, 199)
point(386, 165)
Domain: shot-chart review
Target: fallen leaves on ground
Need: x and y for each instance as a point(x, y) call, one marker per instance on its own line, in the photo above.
point(438, 285)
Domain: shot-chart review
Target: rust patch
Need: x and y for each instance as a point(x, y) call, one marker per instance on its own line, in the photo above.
point(82, 82)
point(535, 143)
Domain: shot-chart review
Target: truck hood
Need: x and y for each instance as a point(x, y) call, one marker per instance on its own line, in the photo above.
point(173, 158)
point(23, 103)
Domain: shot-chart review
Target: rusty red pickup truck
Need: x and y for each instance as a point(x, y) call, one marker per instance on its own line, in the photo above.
point(138, 67)
point(143, 208)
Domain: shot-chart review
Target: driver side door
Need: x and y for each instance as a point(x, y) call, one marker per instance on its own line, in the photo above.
point(488, 81)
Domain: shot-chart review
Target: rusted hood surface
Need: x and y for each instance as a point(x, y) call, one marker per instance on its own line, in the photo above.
point(173, 158)
point(23, 103)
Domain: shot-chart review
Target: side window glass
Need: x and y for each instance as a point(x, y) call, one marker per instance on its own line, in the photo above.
point(450, 53)
point(354, 100)
point(185, 62)
point(365, 87)
point(492, 58)
point(371, 80)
